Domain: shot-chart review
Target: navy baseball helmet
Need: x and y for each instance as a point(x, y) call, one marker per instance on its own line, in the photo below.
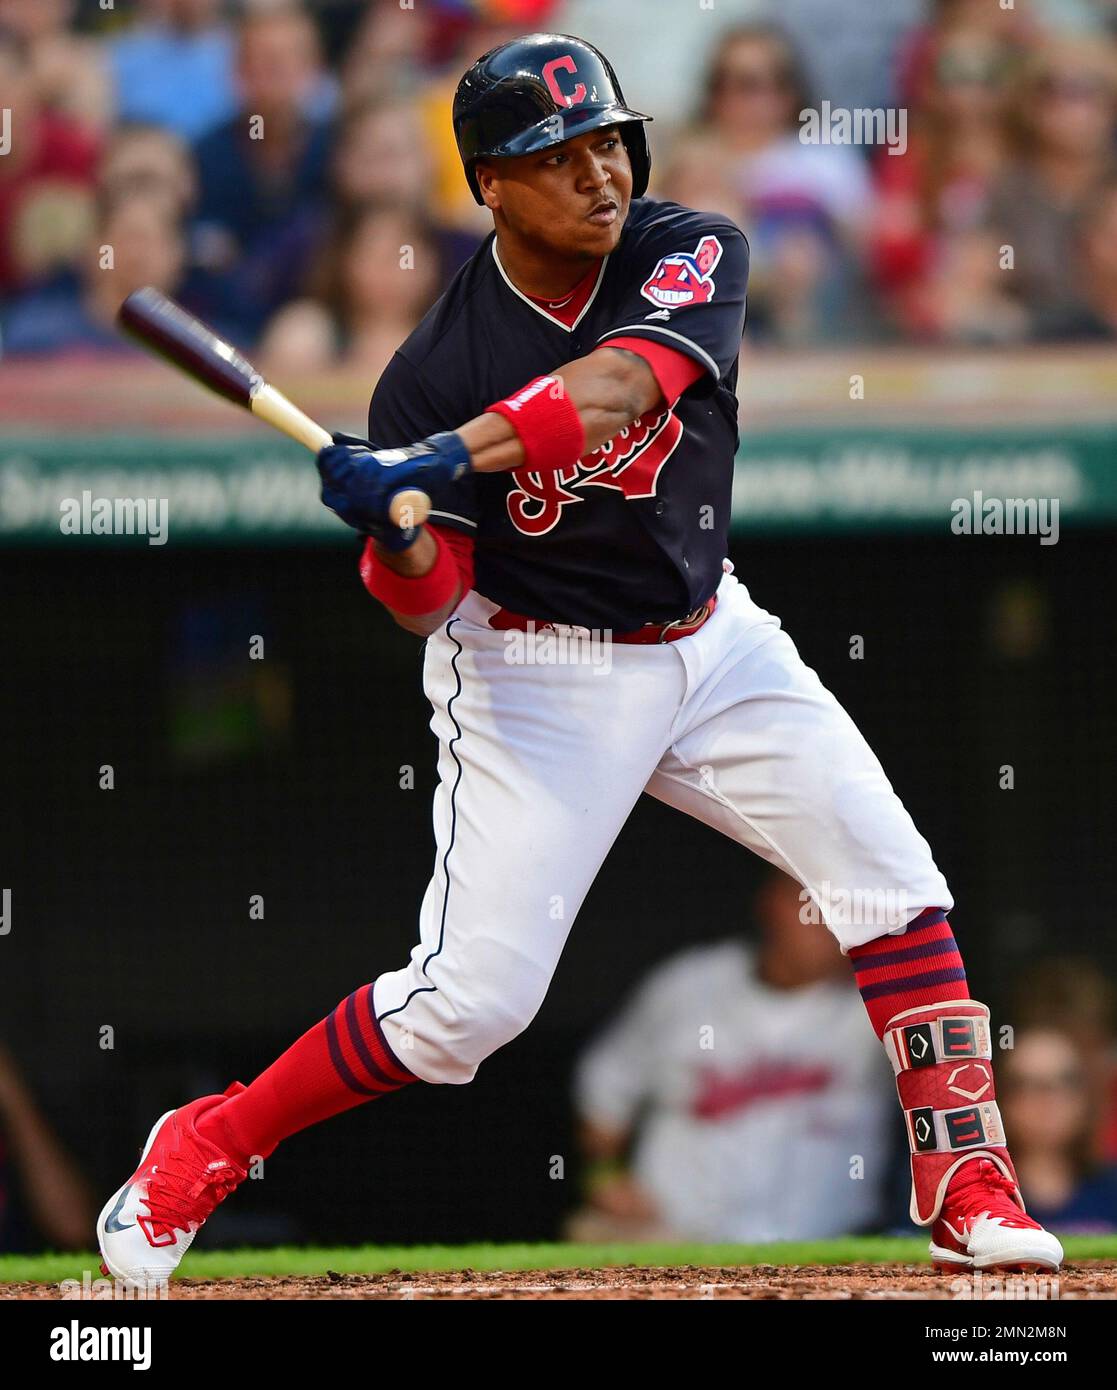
point(538, 91)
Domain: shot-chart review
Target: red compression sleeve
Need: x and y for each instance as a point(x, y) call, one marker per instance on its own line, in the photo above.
point(430, 591)
point(673, 370)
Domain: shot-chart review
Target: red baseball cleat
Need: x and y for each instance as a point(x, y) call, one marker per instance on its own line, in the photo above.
point(148, 1225)
point(982, 1225)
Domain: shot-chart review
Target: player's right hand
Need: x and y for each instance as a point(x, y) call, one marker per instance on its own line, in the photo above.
point(359, 482)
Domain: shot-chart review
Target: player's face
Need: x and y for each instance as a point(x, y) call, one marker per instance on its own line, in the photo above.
point(573, 197)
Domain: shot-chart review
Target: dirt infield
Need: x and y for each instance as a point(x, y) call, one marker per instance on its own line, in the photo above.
point(1084, 1280)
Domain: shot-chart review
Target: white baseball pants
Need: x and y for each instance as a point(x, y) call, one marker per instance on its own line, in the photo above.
point(540, 764)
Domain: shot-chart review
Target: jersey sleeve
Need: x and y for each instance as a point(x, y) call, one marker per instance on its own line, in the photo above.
point(687, 280)
point(405, 409)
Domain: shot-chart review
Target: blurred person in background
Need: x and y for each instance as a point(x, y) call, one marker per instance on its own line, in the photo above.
point(382, 156)
point(364, 284)
point(145, 240)
point(387, 55)
point(388, 88)
point(1075, 997)
point(44, 1200)
point(69, 70)
point(1092, 275)
point(735, 1092)
point(175, 68)
point(1063, 136)
point(804, 206)
point(1046, 1102)
point(697, 176)
point(384, 160)
point(50, 156)
point(148, 159)
point(754, 92)
point(963, 298)
point(933, 199)
point(378, 277)
point(263, 174)
point(49, 234)
point(951, 20)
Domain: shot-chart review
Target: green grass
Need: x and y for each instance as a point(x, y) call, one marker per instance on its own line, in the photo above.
point(378, 1259)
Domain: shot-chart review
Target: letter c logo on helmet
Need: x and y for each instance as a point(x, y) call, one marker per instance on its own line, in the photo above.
point(507, 102)
point(564, 64)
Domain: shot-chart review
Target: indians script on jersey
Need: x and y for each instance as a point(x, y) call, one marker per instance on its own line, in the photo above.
point(630, 463)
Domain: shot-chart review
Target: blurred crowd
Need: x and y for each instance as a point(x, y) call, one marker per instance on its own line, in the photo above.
point(288, 169)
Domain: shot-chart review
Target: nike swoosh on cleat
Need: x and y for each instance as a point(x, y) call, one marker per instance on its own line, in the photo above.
point(111, 1223)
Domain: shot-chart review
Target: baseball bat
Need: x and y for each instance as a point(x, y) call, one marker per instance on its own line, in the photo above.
point(187, 343)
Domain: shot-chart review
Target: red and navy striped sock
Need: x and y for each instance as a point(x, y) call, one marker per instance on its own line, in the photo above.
point(912, 971)
point(342, 1061)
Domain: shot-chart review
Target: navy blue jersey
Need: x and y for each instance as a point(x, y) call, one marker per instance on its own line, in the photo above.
point(635, 532)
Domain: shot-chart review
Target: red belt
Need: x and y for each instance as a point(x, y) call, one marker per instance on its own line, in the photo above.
point(504, 619)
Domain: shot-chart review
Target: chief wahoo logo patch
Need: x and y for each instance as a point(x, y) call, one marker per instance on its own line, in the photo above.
point(684, 277)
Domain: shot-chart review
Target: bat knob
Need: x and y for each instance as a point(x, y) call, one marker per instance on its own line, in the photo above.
point(409, 507)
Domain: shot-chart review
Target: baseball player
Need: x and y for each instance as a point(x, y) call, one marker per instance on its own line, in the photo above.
point(568, 405)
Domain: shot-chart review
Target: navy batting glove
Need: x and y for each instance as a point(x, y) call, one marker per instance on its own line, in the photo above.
point(337, 467)
point(359, 482)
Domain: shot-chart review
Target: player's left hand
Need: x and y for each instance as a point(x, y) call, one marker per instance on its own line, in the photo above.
point(359, 482)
